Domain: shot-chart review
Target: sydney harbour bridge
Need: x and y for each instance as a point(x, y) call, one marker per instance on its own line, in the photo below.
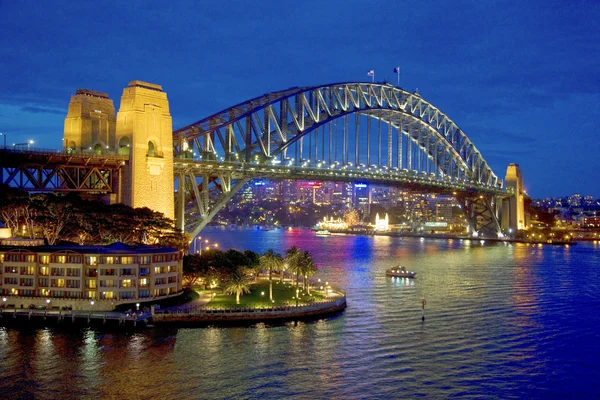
point(373, 133)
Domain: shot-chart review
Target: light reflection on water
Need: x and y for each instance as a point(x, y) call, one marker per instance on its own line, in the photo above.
point(502, 320)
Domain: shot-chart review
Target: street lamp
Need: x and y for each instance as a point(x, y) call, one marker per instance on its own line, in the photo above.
point(4, 135)
point(28, 143)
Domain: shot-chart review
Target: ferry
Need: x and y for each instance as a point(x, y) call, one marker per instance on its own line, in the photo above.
point(322, 233)
point(400, 272)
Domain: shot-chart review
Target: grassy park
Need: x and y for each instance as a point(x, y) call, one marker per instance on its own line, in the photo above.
point(283, 294)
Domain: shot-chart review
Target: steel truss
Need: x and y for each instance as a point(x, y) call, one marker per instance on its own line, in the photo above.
point(346, 131)
point(60, 172)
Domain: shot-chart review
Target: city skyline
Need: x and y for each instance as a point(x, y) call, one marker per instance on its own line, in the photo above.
point(519, 80)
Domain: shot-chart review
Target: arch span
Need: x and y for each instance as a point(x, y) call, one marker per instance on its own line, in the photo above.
point(342, 131)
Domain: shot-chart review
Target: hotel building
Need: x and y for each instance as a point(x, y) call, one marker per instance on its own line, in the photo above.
point(88, 277)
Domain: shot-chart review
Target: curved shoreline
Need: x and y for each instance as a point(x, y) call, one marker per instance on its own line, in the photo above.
point(228, 316)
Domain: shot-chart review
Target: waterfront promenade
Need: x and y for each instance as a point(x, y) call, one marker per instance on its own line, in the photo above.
point(10, 316)
point(202, 314)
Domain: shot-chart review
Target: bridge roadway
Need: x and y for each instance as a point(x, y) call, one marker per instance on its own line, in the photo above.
point(54, 170)
point(373, 175)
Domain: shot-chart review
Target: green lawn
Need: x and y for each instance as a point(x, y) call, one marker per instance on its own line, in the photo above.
point(283, 293)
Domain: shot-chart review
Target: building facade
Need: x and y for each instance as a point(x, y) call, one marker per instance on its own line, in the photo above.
point(88, 277)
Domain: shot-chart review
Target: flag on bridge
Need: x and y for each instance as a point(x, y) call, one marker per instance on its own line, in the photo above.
point(397, 71)
point(371, 73)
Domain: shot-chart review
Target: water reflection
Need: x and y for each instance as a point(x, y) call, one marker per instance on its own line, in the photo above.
point(499, 318)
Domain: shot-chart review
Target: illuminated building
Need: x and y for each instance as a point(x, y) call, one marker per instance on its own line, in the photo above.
point(332, 224)
point(88, 277)
point(383, 224)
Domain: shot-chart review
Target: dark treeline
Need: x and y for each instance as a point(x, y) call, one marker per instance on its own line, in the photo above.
point(69, 218)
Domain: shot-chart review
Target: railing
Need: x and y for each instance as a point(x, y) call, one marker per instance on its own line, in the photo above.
point(54, 152)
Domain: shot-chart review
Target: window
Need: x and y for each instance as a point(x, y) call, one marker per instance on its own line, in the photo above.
point(109, 260)
point(126, 295)
point(10, 270)
point(26, 282)
point(43, 282)
point(57, 272)
point(143, 282)
point(145, 260)
point(91, 260)
point(91, 272)
point(73, 271)
point(108, 272)
point(127, 260)
point(44, 259)
point(126, 283)
point(73, 283)
point(44, 271)
point(107, 295)
point(75, 259)
point(11, 281)
point(57, 283)
point(27, 270)
point(61, 259)
point(91, 284)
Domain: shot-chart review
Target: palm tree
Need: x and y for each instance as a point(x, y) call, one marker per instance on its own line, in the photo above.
point(269, 261)
point(292, 257)
point(237, 284)
point(308, 269)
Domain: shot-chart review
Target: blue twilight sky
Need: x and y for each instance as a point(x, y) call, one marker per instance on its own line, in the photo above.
point(521, 78)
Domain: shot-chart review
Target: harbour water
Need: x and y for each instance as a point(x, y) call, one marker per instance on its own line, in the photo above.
point(501, 321)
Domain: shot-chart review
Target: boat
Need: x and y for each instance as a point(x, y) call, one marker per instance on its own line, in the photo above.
point(400, 272)
point(322, 233)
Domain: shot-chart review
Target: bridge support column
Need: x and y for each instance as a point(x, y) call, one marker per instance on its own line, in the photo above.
point(180, 201)
point(481, 213)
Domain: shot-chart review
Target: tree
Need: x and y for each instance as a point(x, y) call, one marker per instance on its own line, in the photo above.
point(292, 258)
point(307, 268)
point(237, 284)
point(51, 214)
point(351, 218)
point(270, 261)
point(12, 203)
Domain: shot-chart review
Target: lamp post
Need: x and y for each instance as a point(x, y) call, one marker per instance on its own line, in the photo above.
point(198, 245)
point(3, 135)
point(28, 143)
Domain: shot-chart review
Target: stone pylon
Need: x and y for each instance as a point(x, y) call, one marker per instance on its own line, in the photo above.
point(144, 130)
point(90, 123)
point(513, 207)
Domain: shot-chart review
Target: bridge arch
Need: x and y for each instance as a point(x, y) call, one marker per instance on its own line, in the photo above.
point(345, 131)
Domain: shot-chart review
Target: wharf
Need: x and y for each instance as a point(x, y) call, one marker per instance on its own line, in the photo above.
point(9, 316)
